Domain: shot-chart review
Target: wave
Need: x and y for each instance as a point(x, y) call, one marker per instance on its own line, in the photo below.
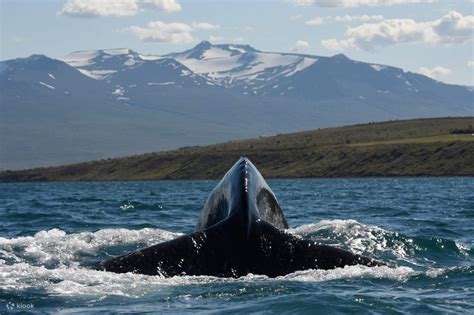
point(375, 241)
point(130, 204)
point(83, 281)
point(58, 248)
point(60, 263)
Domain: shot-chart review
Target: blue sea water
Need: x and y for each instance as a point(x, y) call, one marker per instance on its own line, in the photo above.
point(52, 235)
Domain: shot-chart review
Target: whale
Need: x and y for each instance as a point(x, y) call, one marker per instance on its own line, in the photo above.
point(241, 230)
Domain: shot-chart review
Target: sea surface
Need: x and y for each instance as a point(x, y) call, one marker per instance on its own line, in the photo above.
point(53, 235)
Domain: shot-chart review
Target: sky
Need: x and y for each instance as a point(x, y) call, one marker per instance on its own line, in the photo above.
point(432, 37)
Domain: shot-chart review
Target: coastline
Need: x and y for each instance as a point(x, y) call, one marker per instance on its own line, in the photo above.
point(411, 148)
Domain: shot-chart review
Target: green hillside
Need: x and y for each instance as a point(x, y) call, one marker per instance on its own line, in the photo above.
point(421, 147)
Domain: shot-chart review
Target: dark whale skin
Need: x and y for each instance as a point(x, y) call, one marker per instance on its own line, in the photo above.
point(240, 231)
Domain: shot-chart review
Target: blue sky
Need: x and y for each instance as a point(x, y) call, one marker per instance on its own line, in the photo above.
point(426, 36)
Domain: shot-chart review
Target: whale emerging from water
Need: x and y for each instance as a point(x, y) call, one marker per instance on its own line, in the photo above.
point(240, 231)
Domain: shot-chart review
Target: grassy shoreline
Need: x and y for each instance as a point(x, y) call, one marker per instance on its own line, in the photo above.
point(409, 148)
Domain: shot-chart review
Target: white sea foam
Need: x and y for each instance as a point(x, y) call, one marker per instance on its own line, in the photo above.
point(72, 281)
point(55, 246)
point(361, 238)
point(51, 260)
point(351, 272)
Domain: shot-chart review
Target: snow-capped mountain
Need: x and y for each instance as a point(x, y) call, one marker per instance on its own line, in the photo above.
point(40, 77)
point(127, 72)
point(99, 64)
point(102, 103)
point(241, 65)
point(249, 71)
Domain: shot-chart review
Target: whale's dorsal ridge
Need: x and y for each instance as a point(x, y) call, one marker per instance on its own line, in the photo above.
point(242, 192)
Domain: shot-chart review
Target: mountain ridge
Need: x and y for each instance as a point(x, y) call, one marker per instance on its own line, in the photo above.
point(112, 102)
point(248, 48)
point(146, 57)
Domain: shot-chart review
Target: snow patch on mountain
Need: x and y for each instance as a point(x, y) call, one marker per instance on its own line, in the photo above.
point(160, 83)
point(150, 57)
point(185, 73)
point(239, 49)
point(215, 52)
point(80, 58)
point(119, 91)
point(116, 51)
point(99, 64)
point(377, 67)
point(303, 64)
point(130, 62)
point(97, 74)
point(212, 67)
point(47, 85)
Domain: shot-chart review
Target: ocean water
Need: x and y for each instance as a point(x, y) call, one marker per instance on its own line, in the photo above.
point(52, 235)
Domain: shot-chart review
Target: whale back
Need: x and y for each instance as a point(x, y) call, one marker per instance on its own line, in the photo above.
point(242, 193)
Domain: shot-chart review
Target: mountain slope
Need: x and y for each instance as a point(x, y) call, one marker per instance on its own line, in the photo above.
point(112, 102)
point(314, 84)
point(400, 148)
point(52, 114)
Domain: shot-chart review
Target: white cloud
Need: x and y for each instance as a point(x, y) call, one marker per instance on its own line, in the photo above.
point(220, 39)
point(334, 44)
point(18, 39)
point(388, 32)
point(354, 3)
point(118, 8)
point(300, 45)
point(158, 31)
point(345, 18)
point(470, 63)
point(358, 18)
point(451, 28)
point(315, 21)
point(435, 72)
point(176, 33)
point(454, 27)
point(215, 38)
point(92, 8)
point(205, 26)
point(162, 5)
point(296, 17)
point(303, 3)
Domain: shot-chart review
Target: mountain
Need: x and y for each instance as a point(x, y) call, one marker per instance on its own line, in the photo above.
point(112, 102)
point(322, 79)
point(241, 65)
point(51, 113)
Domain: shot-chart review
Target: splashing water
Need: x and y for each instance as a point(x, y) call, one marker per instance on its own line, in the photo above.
point(55, 235)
